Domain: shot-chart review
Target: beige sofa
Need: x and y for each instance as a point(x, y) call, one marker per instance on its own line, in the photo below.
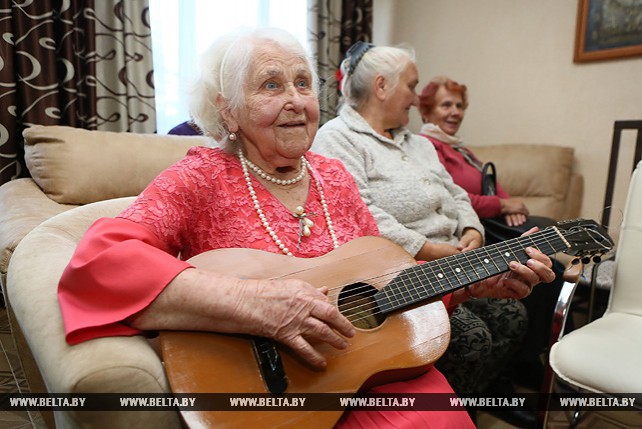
point(79, 176)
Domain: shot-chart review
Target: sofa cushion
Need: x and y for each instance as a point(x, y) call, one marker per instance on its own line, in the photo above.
point(76, 166)
point(538, 174)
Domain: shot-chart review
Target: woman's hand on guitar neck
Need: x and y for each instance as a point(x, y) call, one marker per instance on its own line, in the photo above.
point(292, 312)
point(517, 283)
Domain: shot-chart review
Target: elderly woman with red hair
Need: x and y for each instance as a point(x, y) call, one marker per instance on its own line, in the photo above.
point(442, 104)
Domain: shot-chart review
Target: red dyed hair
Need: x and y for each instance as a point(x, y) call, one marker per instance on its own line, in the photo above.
point(427, 97)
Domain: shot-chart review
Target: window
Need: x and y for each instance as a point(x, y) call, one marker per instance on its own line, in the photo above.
point(183, 29)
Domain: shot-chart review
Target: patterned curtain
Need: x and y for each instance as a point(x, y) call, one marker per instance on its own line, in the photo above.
point(81, 63)
point(334, 26)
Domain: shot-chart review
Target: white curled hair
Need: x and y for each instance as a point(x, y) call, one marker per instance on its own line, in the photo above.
point(387, 61)
point(224, 70)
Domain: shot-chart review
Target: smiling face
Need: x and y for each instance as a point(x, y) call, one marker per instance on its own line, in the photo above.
point(402, 98)
point(281, 114)
point(448, 111)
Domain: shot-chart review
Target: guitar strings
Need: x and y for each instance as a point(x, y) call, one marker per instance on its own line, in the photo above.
point(538, 240)
point(441, 261)
point(356, 308)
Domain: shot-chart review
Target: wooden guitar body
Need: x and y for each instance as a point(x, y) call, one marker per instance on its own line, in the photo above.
point(403, 345)
point(402, 328)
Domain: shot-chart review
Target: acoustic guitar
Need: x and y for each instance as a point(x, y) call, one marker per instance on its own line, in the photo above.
point(402, 326)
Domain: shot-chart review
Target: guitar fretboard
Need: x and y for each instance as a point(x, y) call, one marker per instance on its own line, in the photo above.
point(442, 276)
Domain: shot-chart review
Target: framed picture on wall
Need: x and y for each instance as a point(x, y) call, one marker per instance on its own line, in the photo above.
point(608, 29)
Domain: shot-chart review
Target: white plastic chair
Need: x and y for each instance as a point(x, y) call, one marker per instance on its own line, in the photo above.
point(605, 356)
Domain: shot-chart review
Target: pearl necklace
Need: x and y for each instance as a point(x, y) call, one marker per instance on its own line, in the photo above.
point(273, 179)
point(299, 212)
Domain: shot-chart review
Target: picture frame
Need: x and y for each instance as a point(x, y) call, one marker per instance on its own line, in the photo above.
point(608, 29)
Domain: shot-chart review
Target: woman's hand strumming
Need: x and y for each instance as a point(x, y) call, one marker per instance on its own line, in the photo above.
point(294, 313)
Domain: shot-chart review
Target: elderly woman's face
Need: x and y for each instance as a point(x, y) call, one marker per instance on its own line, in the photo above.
point(281, 115)
point(402, 98)
point(448, 112)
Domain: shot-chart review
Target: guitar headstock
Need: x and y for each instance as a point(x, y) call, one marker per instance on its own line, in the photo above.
point(587, 239)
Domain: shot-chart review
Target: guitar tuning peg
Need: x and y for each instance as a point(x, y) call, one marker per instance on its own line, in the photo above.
point(597, 259)
point(575, 261)
point(586, 260)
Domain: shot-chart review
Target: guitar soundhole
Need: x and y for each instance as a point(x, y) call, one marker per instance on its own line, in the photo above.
point(357, 304)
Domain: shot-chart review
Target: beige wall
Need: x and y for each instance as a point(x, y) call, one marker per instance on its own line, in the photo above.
point(516, 57)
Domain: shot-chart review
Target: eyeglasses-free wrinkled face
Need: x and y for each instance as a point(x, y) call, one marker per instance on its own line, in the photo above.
point(448, 112)
point(281, 114)
point(402, 97)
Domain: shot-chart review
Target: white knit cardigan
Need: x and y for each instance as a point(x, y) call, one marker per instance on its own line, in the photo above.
point(408, 190)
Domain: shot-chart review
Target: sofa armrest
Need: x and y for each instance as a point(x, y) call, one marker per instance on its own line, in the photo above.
point(24, 206)
point(104, 365)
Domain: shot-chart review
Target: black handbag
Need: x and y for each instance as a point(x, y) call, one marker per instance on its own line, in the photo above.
point(496, 228)
point(489, 179)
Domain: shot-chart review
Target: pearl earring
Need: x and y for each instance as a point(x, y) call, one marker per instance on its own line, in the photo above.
point(232, 137)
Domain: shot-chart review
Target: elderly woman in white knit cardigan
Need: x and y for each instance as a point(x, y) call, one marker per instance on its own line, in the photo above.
point(416, 203)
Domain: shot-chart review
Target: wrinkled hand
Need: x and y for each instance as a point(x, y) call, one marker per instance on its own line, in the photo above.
point(294, 313)
point(515, 219)
point(515, 211)
point(470, 239)
point(517, 283)
point(431, 251)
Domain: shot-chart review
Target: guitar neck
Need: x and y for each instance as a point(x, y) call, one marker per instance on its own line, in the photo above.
point(440, 277)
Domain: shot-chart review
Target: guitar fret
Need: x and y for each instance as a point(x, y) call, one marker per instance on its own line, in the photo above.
point(445, 275)
point(478, 267)
point(403, 294)
point(548, 248)
point(511, 251)
point(390, 303)
point(409, 293)
point(402, 289)
point(411, 286)
point(490, 261)
point(460, 273)
point(438, 280)
point(507, 253)
point(425, 280)
point(484, 263)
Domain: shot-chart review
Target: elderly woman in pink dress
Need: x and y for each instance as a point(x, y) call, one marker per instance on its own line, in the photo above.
point(258, 91)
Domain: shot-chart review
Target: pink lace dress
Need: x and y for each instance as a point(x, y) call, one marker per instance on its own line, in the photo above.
point(199, 204)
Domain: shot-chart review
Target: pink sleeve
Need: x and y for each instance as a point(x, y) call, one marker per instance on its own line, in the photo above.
point(117, 270)
point(488, 206)
point(501, 193)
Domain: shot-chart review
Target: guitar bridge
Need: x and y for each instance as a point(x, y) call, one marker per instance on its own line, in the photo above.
point(270, 364)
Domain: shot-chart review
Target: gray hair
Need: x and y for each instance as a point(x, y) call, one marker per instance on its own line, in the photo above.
point(386, 61)
point(224, 69)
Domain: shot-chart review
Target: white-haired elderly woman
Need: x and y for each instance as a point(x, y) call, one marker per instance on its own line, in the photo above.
point(262, 189)
point(417, 205)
